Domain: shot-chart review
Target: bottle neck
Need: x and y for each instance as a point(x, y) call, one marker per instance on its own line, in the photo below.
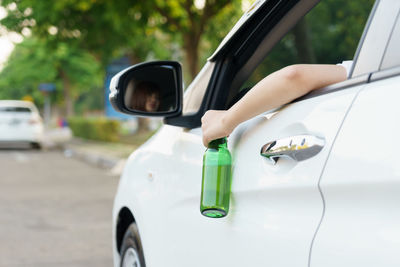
point(218, 143)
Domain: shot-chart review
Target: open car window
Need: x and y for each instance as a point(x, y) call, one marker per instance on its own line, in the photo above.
point(328, 34)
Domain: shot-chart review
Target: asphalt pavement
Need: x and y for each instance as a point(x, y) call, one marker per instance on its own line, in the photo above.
point(55, 210)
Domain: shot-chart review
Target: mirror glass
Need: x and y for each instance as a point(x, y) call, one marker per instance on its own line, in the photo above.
point(151, 89)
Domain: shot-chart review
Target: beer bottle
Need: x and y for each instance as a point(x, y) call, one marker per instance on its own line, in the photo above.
point(216, 179)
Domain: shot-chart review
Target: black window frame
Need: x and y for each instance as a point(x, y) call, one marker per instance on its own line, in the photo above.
point(233, 57)
point(232, 60)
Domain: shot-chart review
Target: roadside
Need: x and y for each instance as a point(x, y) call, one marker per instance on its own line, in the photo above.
point(110, 156)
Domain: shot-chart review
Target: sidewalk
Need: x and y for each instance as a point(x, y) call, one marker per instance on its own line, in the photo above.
point(110, 156)
point(107, 155)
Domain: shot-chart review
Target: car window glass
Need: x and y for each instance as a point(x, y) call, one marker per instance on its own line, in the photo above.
point(328, 34)
point(392, 55)
point(15, 109)
point(374, 43)
point(195, 92)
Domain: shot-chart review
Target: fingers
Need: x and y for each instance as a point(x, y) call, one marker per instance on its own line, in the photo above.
point(212, 126)
point(204, 129)
point(205, 142)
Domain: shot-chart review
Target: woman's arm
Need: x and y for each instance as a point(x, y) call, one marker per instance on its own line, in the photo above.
point(276, 89)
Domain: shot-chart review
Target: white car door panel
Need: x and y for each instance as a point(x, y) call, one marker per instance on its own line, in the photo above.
point(361, 184)
point(275, 208)
point(285, 204)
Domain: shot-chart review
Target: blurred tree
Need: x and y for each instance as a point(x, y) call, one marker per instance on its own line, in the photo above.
point(141, 30)
point(138, 29)
point(336, 27)
point(329, 34)
point(33, 62)
point(104, 28)
point(218, 28)
point(188, 20)
point(152, 29)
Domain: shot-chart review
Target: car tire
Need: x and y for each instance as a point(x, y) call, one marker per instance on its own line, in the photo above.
point(131, 248)
point(36, 145)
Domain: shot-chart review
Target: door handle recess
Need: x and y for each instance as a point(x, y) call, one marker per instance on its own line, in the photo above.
point(298, 148)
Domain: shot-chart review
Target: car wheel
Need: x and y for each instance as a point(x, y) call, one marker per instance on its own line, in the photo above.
point(131, 248)
point(36, 145)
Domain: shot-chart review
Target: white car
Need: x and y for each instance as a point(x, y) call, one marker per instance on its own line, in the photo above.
point(20, 122)
point(335, 205)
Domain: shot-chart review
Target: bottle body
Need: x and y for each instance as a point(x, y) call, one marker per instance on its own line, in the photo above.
point(216, 180)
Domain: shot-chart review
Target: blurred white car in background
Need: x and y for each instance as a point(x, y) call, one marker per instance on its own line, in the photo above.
point(20, 122)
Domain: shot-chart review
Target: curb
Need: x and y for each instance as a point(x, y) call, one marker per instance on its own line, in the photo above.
point(113, 165)
point(91, 158)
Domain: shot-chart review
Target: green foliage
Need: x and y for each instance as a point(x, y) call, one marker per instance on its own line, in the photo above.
point(101, 129)
point(104, 28)
point(24, 71)
point(74, 40)
point(218, 28)
point(34, 61)
point(142, 30)
point(335, 27)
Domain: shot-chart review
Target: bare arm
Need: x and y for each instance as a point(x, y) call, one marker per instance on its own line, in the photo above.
point(276, 89)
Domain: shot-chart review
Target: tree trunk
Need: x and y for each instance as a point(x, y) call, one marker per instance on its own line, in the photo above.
point(133, 59)
point(191, 45)
point(143, 125)
point(68, 101)
point(305, 51)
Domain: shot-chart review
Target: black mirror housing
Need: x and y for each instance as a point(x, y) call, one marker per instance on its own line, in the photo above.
point(148, 89)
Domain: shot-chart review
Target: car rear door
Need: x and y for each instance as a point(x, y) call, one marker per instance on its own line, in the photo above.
point(279, 206)
point(275, 209)
point(361, 180)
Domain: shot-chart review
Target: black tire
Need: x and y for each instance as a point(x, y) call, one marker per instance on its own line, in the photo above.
point(36, 145)
point(131, 241)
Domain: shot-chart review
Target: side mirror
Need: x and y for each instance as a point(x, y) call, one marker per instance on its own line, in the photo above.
point(148, 89)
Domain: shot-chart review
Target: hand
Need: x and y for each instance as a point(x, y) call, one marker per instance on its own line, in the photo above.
point(215, 124)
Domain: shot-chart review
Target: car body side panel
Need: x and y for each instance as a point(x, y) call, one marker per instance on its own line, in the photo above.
point(361, 184)
point(162, 174)
point(274, 211)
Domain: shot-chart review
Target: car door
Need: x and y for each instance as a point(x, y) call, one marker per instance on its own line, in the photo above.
point(281, 203)
point(275, 209)
point(361, 181)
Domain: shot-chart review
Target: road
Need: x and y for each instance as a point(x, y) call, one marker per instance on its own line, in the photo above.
point(54, 211)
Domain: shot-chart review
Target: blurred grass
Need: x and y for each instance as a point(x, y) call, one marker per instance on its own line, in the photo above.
point(106, 136)
point(95, 128)
point(122, 149)
point(136, 139)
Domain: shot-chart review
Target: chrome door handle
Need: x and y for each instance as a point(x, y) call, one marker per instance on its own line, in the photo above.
point(298, 148)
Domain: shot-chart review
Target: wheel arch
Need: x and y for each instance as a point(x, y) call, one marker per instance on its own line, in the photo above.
point(124, 219)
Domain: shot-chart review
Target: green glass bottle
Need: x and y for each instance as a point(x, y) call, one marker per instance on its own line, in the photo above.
point(216, 182)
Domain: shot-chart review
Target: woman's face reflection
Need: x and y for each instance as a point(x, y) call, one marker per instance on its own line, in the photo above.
point(152, 102)
point(146, 97)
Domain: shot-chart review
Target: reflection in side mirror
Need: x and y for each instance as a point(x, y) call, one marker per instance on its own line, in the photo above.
point(150, 89)
point(143, 96)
